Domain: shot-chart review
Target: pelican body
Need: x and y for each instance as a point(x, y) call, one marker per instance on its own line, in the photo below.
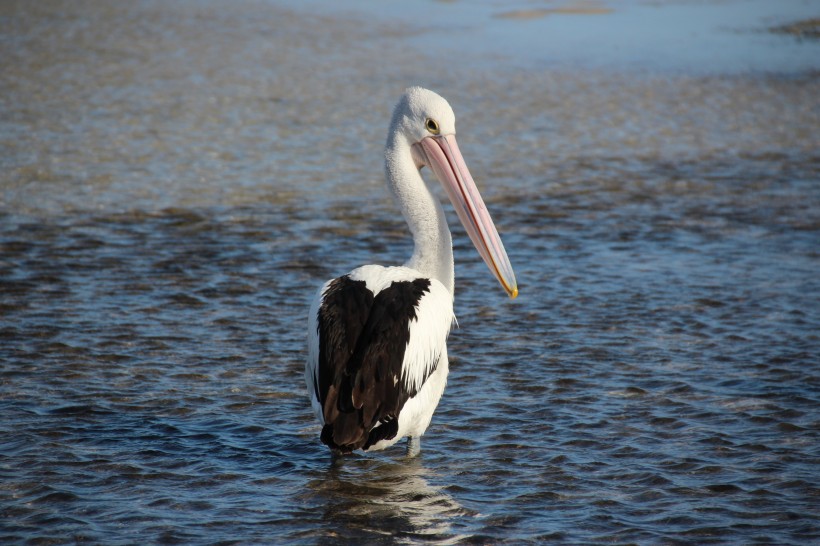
point(377, 337)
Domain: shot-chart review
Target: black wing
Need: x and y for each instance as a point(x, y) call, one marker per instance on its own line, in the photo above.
point(362, 341)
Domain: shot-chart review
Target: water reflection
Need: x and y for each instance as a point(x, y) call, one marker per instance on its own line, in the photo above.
point(380, 497)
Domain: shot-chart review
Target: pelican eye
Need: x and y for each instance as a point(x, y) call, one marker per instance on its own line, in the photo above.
point(432, 126)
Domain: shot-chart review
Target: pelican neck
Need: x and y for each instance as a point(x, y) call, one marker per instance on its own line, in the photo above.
point(422, 210)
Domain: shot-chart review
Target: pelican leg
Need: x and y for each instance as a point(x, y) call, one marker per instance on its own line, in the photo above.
point(413, 446)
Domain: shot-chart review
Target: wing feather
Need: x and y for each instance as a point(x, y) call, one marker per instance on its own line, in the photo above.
point(374, 353)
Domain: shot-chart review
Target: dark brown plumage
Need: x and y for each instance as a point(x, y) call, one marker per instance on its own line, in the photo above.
point(363, 341)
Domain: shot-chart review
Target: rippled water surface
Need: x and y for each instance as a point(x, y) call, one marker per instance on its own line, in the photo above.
point(177, 179)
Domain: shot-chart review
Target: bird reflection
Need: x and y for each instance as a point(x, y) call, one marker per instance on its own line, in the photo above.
point(386, 500)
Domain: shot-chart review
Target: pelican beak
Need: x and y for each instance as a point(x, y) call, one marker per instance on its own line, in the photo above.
point(442, 155)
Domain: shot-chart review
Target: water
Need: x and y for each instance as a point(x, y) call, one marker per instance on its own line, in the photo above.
point(178, 179)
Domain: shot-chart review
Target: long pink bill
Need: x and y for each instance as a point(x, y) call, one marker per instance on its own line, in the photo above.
point(444, 158)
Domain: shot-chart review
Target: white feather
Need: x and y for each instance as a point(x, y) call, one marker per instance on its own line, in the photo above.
point(312, 362)
point(428, 335)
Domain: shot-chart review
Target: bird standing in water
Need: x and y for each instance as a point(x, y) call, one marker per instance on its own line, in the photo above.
point(377, 337)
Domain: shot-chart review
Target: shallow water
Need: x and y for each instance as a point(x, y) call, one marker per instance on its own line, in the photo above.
point(176, 184)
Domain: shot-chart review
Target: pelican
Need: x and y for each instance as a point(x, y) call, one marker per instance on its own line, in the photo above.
point(377, 337)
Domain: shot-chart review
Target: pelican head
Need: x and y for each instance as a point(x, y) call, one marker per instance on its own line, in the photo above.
point(427, 124)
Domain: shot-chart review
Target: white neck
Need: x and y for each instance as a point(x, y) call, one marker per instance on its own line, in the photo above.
point(433, 246)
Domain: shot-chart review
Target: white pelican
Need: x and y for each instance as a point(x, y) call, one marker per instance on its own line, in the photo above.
point(377, 352)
